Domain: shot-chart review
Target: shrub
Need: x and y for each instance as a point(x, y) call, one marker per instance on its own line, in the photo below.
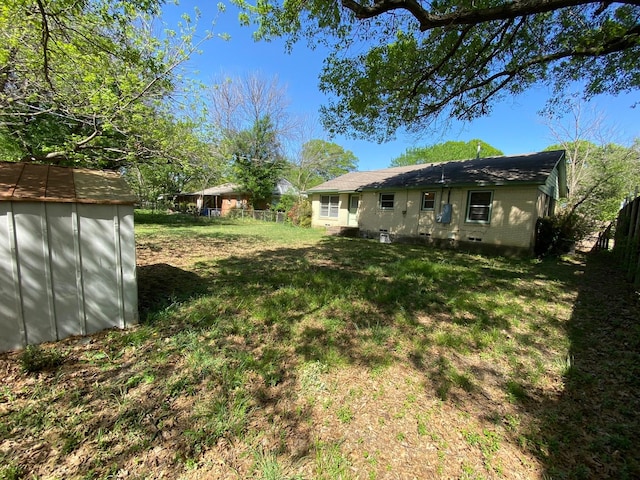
point(300, 213)
point(286, 203)
point(559, 233)
point(35, 359)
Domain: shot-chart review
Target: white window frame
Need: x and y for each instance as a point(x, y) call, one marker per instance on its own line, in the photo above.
point(422, 204)
point(330, 208)
point(381, 202)
point(488, 207)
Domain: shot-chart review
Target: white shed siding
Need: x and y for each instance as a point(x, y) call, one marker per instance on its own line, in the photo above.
point(67, 254)
point(65, 269)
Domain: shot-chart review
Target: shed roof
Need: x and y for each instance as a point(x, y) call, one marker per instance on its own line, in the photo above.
point(49, 183)
point(532, 168)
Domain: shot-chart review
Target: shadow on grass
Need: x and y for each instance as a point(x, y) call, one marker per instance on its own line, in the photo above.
point(346, 301)
point(160, 285)
point(591, 429)
point(255, 328)
point(355, 296)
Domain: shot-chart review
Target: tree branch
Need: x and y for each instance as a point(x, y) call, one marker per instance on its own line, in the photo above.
point(620, 43)
point(472, 16)
point(45, 43)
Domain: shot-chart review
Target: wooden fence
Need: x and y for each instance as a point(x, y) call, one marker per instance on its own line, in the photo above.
point(626, 246)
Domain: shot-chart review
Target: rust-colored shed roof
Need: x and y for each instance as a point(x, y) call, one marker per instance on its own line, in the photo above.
point(30, 182)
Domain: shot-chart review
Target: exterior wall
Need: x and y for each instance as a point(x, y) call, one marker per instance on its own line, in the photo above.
point(65, 269)
point(343, 212)
point(512, 222)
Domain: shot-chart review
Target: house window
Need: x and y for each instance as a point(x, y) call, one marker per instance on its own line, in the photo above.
point(387, 201)
point(329, 206)
point(479, 207)
point(428, 200)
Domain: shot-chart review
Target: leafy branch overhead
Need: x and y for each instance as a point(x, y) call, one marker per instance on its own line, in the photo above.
point(87, 80)
point(404, 63)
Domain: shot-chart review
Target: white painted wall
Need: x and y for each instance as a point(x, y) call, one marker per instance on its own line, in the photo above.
point(65, 269)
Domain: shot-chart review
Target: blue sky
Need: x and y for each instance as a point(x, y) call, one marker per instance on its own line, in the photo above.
point(514, 126)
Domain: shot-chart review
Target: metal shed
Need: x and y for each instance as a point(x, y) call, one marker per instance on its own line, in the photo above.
point(67, 253)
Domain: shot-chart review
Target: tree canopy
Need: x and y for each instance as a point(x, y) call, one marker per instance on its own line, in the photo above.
point(445, 152)
point(403, 63)
point(318, 162)
point(88, 82)
point(599, 177)
point(257, 161)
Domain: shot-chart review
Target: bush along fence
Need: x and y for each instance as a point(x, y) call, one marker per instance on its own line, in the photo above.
point(626, 246)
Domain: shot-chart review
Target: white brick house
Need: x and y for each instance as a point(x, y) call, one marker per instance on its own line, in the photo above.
point(492, 201)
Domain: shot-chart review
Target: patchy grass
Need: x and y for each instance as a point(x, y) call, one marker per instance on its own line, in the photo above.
point(267, 351)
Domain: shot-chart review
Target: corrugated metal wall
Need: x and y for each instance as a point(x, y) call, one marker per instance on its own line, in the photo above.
point(65, 269)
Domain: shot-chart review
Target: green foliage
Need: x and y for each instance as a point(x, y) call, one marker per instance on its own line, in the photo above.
point(10, 471)
point(446, 59)
point(88, 83)
point(300, 213)
point(286, 203)
point(600, 177)
point(445, 152)
point(559, 233)
point(318, 162)
point(34, 359)
point(257, 161)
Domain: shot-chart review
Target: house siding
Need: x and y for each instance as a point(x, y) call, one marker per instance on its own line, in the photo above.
point(523, 188)
point(512, 223)
point(343, 212)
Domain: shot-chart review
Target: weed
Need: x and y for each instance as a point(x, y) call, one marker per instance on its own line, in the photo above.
point(447, 376)
point(34, 359)
point(11, 471)
point(512, 422)
point(267, 466)
point(345, 414)
point(330, 463)
point(311, 376)
point(515, 392)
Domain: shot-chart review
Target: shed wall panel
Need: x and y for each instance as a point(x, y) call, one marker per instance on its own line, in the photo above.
point(65, 269)
point(64, 264)
point(128, 256)
point(34, 273)
point(11, 327)
point(99, 266)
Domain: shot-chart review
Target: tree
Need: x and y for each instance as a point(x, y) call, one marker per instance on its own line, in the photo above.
point(257, 161)
point(453, 59)
point(86, 82)
point(251, 126)
point(237, 104)
point(445, 152)
point(600, 173)
point(601, 177)
point(318, 162)
point(183, 160)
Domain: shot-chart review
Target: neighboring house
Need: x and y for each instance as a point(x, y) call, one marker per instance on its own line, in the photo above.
point(221, 199)
point(493, 201)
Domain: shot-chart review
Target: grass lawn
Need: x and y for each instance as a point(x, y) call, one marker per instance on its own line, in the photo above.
point(271, 352)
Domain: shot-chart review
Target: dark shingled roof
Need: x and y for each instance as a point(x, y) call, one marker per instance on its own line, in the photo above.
point(32, 182)
point(533, 168)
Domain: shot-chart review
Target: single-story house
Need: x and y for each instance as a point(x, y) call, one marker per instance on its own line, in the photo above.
point(221, 199)
point(493, 201)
